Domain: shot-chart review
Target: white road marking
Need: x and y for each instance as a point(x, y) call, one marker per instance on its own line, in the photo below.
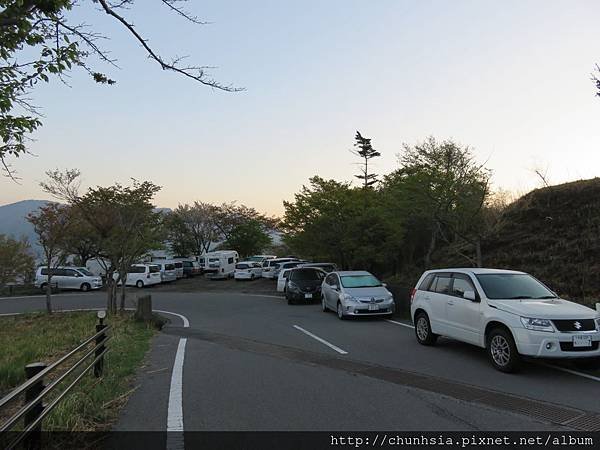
point(322, 341)
point(186, 322)
point(400, 323)
point(175, 439)
point(572, 372)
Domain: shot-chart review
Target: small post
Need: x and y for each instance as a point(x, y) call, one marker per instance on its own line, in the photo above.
point(99, 366)
point(34, 438)
point(144, 308)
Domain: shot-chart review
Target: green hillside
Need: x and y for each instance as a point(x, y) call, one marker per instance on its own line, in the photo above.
point(554, 234)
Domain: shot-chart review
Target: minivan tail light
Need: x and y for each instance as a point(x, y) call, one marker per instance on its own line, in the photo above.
point(412, 294)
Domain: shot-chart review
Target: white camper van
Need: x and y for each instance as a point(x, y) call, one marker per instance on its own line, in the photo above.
point(220, 264)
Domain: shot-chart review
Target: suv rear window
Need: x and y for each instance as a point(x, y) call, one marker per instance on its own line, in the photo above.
point(424, 286)
point(306, 275)
point(441, 285)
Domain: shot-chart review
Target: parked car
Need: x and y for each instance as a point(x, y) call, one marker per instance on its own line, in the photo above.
point(260, 258)
point(67, 278)
point(356, 293)
point(279, 267)
point(509, 313)
point(247, 270)
point(304, 285)
point(268, 266)
point(190, 268)
point(179, 272)
point(168, 272)
point(327, 267)
point(140, 275)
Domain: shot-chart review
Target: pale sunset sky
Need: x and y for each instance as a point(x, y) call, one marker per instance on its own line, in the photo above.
point(511, 79)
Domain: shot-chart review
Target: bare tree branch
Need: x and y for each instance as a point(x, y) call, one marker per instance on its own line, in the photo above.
point(195, 73)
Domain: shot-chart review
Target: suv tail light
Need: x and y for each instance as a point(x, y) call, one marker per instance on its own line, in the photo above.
point(412, 294)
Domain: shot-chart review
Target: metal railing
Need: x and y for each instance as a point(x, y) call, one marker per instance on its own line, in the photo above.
point(33, 410)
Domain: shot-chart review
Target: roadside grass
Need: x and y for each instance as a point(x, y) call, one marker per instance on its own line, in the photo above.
point(94, 403)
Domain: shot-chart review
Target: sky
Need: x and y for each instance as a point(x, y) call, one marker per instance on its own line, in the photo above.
point(509, 79)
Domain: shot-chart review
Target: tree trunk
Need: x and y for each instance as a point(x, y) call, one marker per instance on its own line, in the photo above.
point(49, 293)
point(110, 291)
point(431, 248)
point(122, 305)
point(479, 257)
point(144, 308)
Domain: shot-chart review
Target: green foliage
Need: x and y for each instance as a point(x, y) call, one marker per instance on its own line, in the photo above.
point(248, 238)
point(16, 260)
point(436, 195)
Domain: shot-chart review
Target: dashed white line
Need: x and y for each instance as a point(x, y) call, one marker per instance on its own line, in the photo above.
point(321, 340)
point(572, 372)
point(400, 323)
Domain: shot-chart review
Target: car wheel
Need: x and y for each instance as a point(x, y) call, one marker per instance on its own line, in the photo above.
point(43, 287)
point(252, 277)
point(85, 287)
point(423, 330)
point(340, 311)
point(139, 284)
point(324, 305)
point(502, 350)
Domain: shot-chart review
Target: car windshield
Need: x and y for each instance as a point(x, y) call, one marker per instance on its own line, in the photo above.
point(241, 266)
point(513, 287)
point(86, 272)
point(360, 281)
point(306, 275)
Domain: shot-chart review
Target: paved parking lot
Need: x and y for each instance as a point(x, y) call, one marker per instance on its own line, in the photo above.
point(252, 362)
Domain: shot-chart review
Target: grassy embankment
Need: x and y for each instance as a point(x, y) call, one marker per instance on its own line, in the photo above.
point(94, 403)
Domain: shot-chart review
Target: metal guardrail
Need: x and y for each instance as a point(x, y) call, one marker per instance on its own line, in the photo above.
point(34, 411)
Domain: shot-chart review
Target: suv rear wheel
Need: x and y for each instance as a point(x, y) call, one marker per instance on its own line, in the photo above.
point(502, 350)
point(423, 330)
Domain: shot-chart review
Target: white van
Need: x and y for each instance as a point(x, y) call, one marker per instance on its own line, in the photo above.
point(68, 278)
point(140, 275)
point(221, 264)
point(270, 265)
point(168, 272)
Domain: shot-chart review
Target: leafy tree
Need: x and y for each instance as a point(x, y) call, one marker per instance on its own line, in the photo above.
point(229, 216)
point(366, 152)
point(248, 238)
point(122, 218)
point(178, 236)
point(80, 238)
point(194, 227)
point(16, 260)
point(445, 187)
point(38, 40)
point(50, 223)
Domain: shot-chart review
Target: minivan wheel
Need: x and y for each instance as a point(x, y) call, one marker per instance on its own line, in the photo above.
point(85, 287)
point(139, 284)
point(502, 350)
point(423, 330)
point(340, 311)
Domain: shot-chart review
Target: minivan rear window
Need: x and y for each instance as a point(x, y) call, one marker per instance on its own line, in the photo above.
point(137, 269)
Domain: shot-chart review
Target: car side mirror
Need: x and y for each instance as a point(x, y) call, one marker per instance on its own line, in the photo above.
point(335, 287)
point(384, 284)
point(470, 295)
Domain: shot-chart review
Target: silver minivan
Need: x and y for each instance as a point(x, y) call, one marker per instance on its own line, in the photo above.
point(68, 278)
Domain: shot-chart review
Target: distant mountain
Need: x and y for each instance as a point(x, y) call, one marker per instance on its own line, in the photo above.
point(13, 220)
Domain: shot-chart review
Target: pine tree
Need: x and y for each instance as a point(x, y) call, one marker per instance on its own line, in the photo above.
point(367, 152)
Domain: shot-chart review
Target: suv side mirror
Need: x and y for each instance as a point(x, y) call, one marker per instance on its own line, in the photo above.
point(470, 295)
point(335, 287)
point(384, 284)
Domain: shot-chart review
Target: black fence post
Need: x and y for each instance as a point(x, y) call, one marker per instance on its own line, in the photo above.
point(34, 438)
point(99, 366)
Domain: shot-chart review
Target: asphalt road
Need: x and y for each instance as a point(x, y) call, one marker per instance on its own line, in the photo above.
point(254, 363)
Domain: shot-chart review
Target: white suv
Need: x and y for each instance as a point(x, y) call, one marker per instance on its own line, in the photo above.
point(506, 312)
